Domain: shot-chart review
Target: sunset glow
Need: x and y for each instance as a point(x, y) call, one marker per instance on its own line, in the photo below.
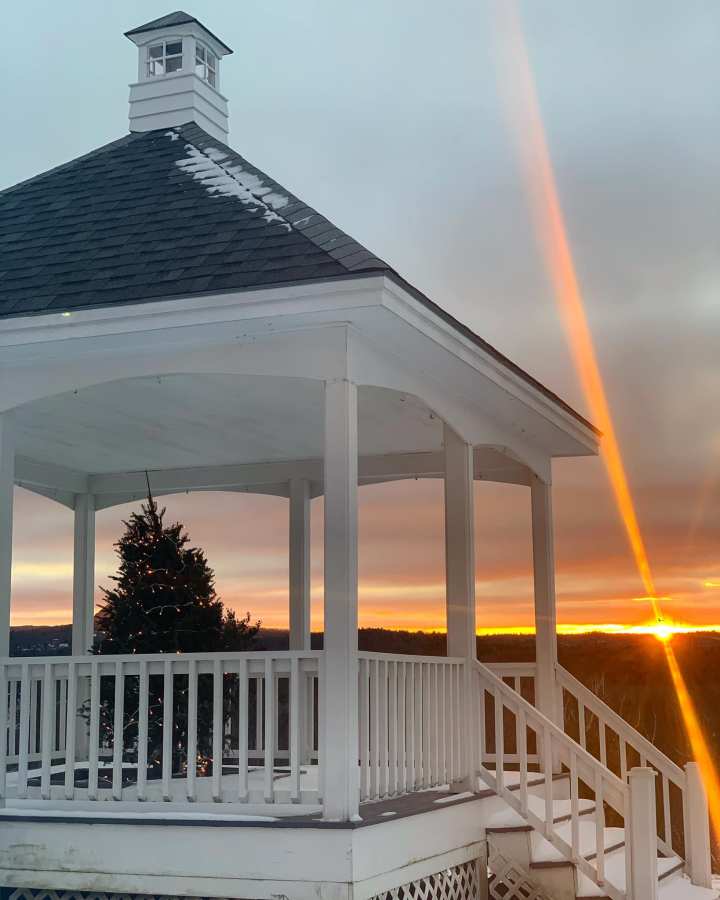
point(553, 239)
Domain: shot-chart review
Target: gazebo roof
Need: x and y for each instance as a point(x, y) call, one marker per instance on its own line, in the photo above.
point(168, 214)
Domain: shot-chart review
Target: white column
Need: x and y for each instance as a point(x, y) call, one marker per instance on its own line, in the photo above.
point(697, 828)
point(460, 586)
point(340, 757)
point(83, 575)
point(643, 835)
point(546, 694)
point(459, 546)
point(299, 564)
point(7, 483)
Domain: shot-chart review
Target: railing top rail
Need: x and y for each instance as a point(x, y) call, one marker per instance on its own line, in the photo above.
point(658, 759)
point(229, 655)
point(533, 715)
point(512, 668)
point(407, 657)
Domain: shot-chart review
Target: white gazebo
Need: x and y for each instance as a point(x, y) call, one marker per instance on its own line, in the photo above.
point(168, 308)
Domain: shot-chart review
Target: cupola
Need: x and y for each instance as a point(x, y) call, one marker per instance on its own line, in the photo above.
point(179, 62)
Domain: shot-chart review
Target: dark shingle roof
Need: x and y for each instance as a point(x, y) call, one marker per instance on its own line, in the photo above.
point(153, 215)
point(174, 18)
point(171, 213)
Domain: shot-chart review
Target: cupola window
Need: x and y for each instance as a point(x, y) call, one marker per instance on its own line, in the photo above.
point(205, 64)
point(164, 58)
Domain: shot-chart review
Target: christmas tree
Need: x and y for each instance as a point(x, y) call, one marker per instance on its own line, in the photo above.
point(164, 601)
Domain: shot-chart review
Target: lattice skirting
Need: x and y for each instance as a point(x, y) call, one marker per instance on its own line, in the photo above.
point(458, 883)
point(508, 881)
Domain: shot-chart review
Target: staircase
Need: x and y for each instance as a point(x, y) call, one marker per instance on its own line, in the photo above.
point(637, 833)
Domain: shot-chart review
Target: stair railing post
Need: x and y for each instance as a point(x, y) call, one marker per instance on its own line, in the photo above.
point(641, 837)
point(697, 828)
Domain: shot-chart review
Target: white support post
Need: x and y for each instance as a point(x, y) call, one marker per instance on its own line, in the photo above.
point(83, 575)
point(546, 692)
point(299, 564)
point(7, 484)
point(643, 835)
point(697, 828)
point(341, 791)
point(460, 581)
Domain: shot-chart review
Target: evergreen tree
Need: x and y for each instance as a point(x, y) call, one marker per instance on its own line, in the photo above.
point(164, 601)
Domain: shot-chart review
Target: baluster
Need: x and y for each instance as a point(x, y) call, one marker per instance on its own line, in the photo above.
point(118, 733)
point(623, 758)
point(34, 684)
point(243, 724)
point(574, 808)
point(435, 722)
point(383, 729)
point(217, 731)
point(259, 714)
point(419, 749)
point(269, 788)
point(499, 743)
point(393, 729)
point(547, 766)
point(191, 767)
point(603, 741)
point(94, 737)
point(364, 728)
point(410, 762)
point(321, 723)
point(71, 717)
point(61, 717)
point(442, 723)
point(521, 741)
point(13, 742)
point(425, 713)
point(483, 727)
point(24, 731)
point(4, 730)
point(142, 730)
point(599, 828)
point(402, 730)
point(374, 714)
point(581, 724)
point(667, 830)
point(516, 684)
point(167, 730)
point(294, 725)
point(46, 736)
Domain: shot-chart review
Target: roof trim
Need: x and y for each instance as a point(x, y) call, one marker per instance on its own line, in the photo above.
point(175, 18)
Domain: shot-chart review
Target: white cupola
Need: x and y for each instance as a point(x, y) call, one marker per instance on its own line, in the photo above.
point(178, 76)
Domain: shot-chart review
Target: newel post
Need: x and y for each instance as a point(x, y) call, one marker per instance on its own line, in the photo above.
point(697, 828)
point(642, 835)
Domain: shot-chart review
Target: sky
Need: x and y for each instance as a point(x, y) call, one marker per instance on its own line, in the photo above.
point(389, 119)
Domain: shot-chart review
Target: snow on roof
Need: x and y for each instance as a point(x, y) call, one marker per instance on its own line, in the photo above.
point(209, 167)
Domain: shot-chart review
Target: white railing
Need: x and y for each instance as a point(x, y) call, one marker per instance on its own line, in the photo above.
point(618, 746)
point(411, 715)
point(232, 727)
point(588, 778)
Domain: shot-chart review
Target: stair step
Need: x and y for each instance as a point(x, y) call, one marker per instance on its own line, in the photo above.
point(510, 820)
point(615, 875)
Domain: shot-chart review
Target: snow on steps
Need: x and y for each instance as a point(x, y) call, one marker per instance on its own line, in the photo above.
point(556, 875)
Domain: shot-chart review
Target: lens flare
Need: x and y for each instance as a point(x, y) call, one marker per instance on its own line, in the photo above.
point(524, 110)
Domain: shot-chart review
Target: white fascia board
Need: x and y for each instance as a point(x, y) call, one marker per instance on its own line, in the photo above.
point(407, 307)
point(255, 307)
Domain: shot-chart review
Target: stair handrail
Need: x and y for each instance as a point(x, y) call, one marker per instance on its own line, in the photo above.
point(668, 771)
point(581, 765)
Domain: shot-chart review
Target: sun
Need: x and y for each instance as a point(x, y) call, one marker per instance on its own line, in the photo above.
point(663, 632)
